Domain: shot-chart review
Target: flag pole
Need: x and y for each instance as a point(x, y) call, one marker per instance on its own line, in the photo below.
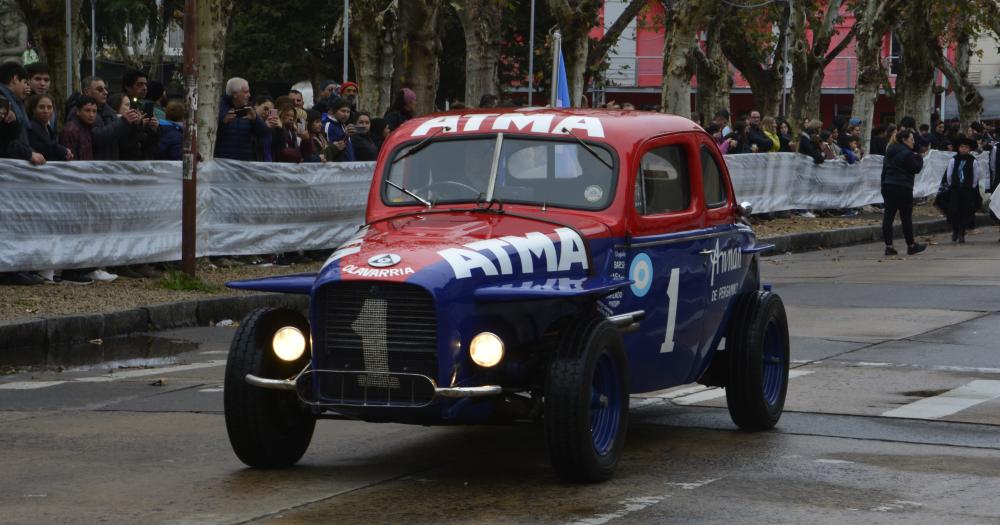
point(531, 54)
point(556, 47)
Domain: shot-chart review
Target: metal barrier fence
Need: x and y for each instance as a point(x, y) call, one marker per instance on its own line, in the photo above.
point(92, 214)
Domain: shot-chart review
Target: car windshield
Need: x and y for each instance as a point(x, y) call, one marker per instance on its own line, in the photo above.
point(558, 173)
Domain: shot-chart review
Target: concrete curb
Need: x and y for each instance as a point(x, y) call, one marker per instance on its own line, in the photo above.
point(808, 241)
point(24, 337)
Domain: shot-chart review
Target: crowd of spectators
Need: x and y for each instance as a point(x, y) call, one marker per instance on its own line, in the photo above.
point(138, 122)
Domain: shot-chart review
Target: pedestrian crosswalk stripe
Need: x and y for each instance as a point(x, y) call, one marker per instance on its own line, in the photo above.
point(128, 374)
point(950, 402)
point(29, 385)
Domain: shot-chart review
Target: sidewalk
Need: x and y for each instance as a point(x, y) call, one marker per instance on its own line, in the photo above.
point(44, 316)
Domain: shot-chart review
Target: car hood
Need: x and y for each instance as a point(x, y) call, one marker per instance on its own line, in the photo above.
point(495, 255)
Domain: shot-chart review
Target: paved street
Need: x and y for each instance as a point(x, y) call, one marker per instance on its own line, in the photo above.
point(893, 416)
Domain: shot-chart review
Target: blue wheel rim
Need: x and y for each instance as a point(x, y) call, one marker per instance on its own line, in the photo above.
point(774, 364)
point(605, 404)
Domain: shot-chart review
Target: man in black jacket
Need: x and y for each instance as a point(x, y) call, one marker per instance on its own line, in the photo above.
point(110, 129)
point(807, 145)
point(13, 86)
point(901, 164)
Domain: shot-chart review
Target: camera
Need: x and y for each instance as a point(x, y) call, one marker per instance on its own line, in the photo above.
point(242, 112)
point(146, 107)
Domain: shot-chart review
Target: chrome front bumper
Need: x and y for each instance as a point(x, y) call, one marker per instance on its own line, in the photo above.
point(447, 392)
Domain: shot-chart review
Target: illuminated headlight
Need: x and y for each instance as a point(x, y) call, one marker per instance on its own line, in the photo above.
point(289, 344)
point(486, 349)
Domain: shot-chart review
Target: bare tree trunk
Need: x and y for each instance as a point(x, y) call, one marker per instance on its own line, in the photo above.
point(46, 21)
point(159, 42)
point(873, 22)
point(714, 78)
point(373, 51)
point(481, 22)
point(576, 69)
point(213, 24)
point(419, 49)
point(764, 72)
point(915, 78)
point(970, 102)
point(678, 68)
point(810, 58)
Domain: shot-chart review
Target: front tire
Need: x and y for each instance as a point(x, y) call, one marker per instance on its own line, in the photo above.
point(757, 344)
point(267, 428)
point(586, 402)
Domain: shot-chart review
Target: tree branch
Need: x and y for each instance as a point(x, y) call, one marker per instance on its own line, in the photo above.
point(839, 48)
point(611, 36)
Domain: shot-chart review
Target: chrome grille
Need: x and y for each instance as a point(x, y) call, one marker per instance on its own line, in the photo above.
point(376, 327)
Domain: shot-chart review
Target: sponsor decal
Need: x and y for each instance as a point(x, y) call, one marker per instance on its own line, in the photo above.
point(532, 250)
point(593, 193)
point(641, 272)
point(384, 260)
point(526, 123)
point(350, 247)
point(376, 272)
point(724, 261)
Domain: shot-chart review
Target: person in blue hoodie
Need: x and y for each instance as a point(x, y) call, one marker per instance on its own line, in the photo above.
point(238, 123)
point(339, 131)
point(171, 146)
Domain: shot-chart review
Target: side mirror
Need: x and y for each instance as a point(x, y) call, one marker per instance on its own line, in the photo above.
point(744, 209)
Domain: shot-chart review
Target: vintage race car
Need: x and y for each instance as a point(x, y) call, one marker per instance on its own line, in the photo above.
point(531, 265)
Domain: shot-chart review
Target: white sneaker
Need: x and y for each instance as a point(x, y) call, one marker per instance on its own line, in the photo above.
point(808, 215)
point(48, 275)
point(101, 275)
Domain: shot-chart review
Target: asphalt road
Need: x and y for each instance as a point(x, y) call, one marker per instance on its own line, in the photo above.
point(893, 416)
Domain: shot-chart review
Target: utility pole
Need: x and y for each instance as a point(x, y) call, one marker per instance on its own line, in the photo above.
point(531, 55)
point(556, 46)
point(93, 39)
point(347, 24)
point(69, 48)
point(189, 205)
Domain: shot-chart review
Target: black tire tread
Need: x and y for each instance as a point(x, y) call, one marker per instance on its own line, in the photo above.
point(744, 394)
point(571, 455)
point(253, 431)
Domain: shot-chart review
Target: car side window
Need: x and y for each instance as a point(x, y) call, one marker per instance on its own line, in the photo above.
point(663, 184)
point(712, 182)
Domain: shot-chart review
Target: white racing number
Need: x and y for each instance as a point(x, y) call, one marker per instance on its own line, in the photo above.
point(672, 292)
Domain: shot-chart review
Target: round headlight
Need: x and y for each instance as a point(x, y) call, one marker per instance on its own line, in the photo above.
point(289, 344)
point(486, 349)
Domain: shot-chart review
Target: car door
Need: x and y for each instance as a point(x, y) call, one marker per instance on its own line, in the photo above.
point(665, 264)
point(723, 241)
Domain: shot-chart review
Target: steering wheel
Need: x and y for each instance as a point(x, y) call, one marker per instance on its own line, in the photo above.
point(447, 183)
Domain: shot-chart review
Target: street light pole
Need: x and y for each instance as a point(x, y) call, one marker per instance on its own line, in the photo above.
point(189, 198)
point(556, 45)
point(347, 24)
point(531, 55)
point(93, 38)
point(69, 48)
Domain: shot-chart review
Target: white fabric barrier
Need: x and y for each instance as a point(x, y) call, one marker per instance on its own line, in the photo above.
point(788, 181)
point(94, 214)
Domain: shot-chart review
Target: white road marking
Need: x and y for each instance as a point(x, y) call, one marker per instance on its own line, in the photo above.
point(29, 385)
point(715, 392)
point(834, 461)
point(950, 402)
point(211, 390)
point(936, 368)
point(128, 374)
point(629, 506)
point(694, 484)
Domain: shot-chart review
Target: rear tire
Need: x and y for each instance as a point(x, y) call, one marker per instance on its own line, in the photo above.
point(586, 402)
point(267, 428)
point(758, 349)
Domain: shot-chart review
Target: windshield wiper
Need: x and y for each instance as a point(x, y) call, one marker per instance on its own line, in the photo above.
point(421, 145)
point(587, 147)
point(422, 200)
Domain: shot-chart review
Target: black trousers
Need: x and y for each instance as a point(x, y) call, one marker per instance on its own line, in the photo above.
point(897, 198)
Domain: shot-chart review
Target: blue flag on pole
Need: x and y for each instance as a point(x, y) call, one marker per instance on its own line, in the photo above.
point(562, 98)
